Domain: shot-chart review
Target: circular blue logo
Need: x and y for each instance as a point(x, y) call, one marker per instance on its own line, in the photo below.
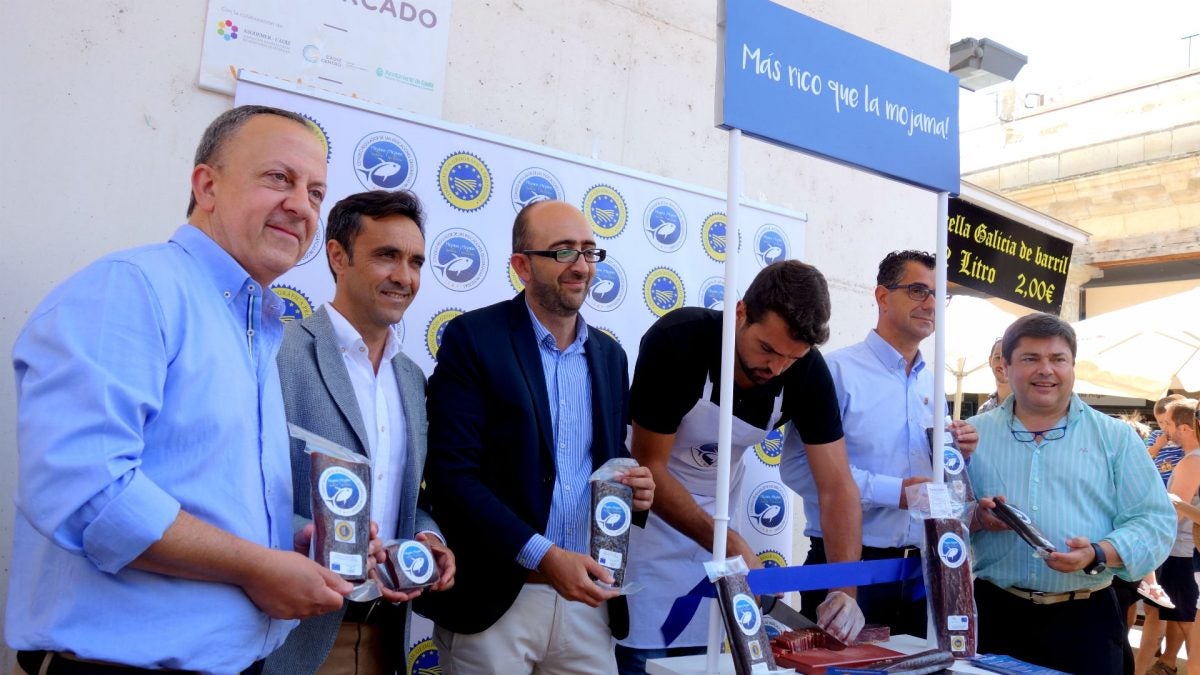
point(384, 161)
point(745, 611)
point(712, 236)
point(608, 286)
point(770, 449)
point(663, 291)
point(534, 185)
point(771, 558)
point(296, 305)
point(459, 260)
point(437, 327)
point(612, 516)
point(770, 245)
point(605, 210)
point(317, 245)
point(705, 456)
point(952, 550)
point(768, 508)
point(954, 461)
point(665, 225)
point(712, 293)
point(465, 181)
point(415, 560)
point(342, 492)
point(423, 659)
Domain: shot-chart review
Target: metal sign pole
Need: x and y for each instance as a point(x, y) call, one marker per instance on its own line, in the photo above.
point(725, 420)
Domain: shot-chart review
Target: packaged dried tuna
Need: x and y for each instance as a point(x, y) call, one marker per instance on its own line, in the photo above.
point(341, 505)
point(955, 465)
point(1020, 523)
point(947, 564)
point(409, 565)
point(921, 663)
point(612, 515)
point(743, 620)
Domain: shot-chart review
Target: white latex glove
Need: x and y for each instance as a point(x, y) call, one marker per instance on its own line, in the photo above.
point(840, 616)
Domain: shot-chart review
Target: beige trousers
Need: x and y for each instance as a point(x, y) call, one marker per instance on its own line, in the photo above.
point(542, 633)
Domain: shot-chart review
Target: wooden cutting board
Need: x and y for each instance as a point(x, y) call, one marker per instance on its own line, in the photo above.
point(815, 661)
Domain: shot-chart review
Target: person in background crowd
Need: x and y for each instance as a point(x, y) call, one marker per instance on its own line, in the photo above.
point(996, 362)
point(1127, 591)
point(1163, 450)
point(779, 376)
point(1192, 512)
point(154, 498)
point(1165, 453)
point(884, 394)
point(525, 402)
point(1085, 480)
point(1177, 573)
point(345, 379)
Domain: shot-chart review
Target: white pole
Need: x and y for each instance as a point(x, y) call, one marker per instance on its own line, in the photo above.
point(938, 404)
point(725, 419)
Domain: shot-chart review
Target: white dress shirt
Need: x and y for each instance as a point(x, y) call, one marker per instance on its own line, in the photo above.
point(378, 397)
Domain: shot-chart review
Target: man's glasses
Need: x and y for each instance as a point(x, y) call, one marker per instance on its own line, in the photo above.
point(570, 255)
point(1052, 434)
point(916, 292)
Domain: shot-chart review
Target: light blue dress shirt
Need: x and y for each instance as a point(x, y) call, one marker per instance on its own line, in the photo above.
point(885, 410)
point(1097, 482)
point(569, 386)
point(146, 384)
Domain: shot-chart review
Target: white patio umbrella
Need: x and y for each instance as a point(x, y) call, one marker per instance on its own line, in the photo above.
point(1143, 350)
point(972, 325)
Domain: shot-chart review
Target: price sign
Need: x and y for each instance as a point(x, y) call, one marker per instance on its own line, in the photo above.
point(1006, 259)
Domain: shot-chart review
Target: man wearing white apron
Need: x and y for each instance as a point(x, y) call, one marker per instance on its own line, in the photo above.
point(779, 377)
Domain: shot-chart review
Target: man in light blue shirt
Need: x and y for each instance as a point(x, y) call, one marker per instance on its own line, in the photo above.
point(1084, 479)
point(884, 395)
point(154, 508)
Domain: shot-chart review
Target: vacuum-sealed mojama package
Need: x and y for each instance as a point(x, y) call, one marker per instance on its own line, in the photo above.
point(341, 505)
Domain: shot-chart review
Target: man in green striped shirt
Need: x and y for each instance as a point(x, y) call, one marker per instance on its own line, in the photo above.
point(1085, 480)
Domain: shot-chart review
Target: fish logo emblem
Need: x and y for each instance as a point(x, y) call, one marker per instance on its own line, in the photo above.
point(342, 492)
point(385, 161)
point(459, 260)
point(665, 225)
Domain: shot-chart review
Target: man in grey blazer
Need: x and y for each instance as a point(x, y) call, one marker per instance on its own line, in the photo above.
point(344, 378)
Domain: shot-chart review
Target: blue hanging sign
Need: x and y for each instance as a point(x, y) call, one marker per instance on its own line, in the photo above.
point(794, 81)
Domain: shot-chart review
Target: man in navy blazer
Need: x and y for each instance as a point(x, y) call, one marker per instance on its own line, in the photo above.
point(525, 402)
point(345, 378)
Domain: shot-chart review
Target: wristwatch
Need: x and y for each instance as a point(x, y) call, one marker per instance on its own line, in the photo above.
point(1098, 564)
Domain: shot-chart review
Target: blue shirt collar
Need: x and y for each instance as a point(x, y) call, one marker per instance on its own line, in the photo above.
point(546, 338)
point(1074, 408)
point(227, 274)
point(888, 355)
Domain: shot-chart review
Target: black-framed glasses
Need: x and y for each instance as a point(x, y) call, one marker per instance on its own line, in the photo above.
point(570, 255)
point(916, 292)
point(1051, 434)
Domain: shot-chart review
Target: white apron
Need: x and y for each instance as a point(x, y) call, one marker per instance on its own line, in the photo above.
point(666, 562)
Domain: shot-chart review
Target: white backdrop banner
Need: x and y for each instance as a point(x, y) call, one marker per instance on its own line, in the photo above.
point(666, 242)
point(391, 52)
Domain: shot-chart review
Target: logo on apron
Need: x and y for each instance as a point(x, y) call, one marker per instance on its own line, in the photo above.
point(705, 456)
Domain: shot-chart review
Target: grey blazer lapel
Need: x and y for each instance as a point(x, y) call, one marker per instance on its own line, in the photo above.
point(334, 374)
